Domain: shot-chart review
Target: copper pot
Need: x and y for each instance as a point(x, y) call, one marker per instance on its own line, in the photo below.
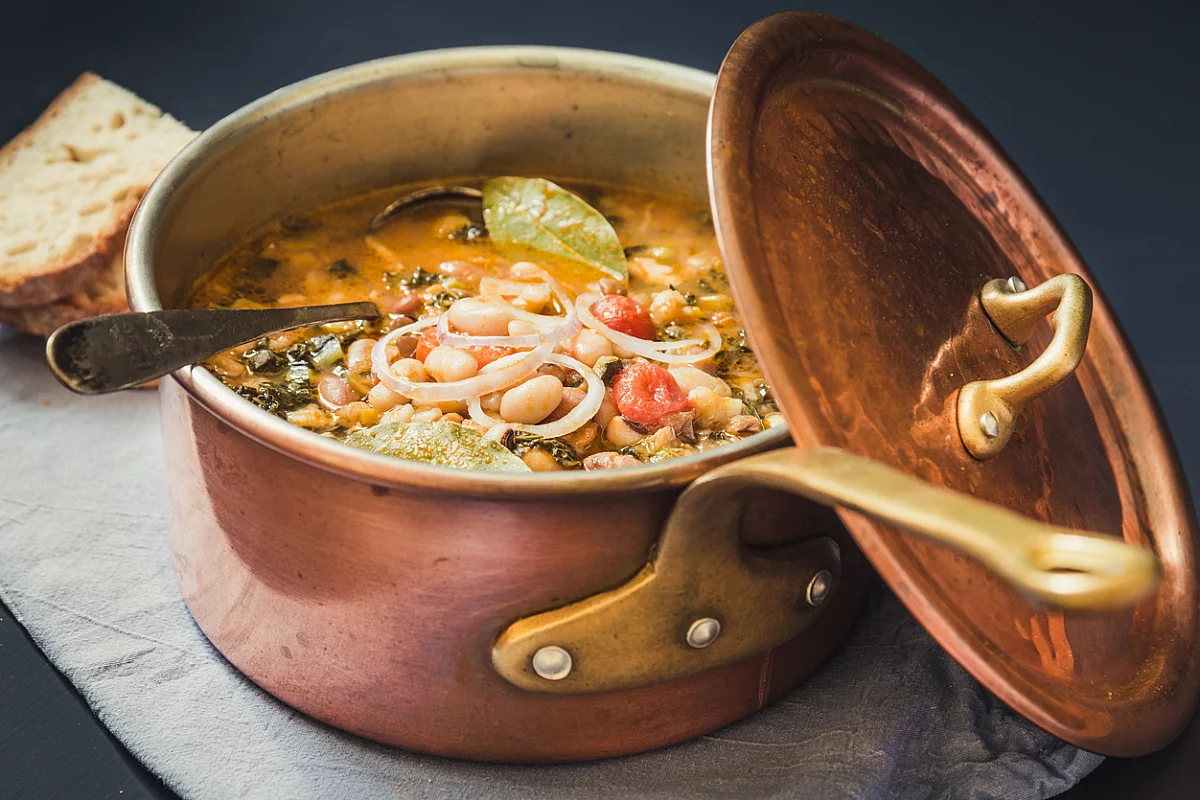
point(540, 618)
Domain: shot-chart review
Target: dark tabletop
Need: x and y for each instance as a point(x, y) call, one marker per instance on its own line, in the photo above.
point(1097, 105)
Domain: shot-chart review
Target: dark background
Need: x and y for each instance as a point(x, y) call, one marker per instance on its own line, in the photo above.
point(1097, 102)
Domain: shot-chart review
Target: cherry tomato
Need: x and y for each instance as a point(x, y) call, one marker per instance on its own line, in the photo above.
point(645, 393)
point(425, 345)
point(624, 315)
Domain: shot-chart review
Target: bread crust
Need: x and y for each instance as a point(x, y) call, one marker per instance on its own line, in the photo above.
point(55, 281)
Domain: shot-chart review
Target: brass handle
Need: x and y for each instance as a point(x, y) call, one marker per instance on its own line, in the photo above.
point(987, 410)
point(702, 581)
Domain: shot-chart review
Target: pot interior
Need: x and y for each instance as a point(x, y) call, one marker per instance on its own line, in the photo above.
point(572, 115)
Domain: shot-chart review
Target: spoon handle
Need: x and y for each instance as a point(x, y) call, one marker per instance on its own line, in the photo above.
point(117, 351)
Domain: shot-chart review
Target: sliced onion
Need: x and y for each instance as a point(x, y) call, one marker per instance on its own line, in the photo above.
point(551, 330)
point(655, 351)
point(575, 419)
point(515, 367)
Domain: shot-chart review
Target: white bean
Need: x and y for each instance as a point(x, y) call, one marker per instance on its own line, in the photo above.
point(358, 355)
point(620, 433)
point(491, 401)
point(532, 401)
point(446, 364)
point(713, 410)
point(590, 347)
point(427, 415)
point(334, 391)
point(689, 377)
point(607, 410)
point(539, 460)
point(519, 327)
point(382, 398)
point(410, 369)
point(478, 318)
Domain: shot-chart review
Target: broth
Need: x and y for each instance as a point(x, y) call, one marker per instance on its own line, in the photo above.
point(424, 264)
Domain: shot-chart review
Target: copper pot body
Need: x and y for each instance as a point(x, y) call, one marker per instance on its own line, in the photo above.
point(366, 591)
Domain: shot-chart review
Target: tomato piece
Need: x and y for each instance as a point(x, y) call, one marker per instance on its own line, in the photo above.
point(425, 345)
point(645, 393)
point(486, 355)
point(624, 315)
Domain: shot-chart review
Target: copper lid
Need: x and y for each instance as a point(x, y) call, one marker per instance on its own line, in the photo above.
point(861, 210)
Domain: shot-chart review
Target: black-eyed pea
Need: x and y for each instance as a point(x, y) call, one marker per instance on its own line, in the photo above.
point(774, 420)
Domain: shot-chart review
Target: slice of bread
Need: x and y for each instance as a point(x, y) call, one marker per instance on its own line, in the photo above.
point(68, 187)
point(105, 295)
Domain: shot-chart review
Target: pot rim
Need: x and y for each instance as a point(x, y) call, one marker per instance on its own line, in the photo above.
point(335, 457)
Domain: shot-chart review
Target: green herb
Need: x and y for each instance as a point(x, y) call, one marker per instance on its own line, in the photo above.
point(341, 269)
point(534, 214)
point(262, 360)
point(278, 398)
point(446, 297)
point(673, 332)
point(559, 450)
point(416, 279)
point(445, 444)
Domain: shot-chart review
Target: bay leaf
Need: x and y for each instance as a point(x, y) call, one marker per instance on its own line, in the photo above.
point(446, 444)
point(524, 214)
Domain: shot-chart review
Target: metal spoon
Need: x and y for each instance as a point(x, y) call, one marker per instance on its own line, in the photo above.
point(419, 197)
point(118, 351)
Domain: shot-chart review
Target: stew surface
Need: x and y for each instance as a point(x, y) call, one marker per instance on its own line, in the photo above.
point(554, 330)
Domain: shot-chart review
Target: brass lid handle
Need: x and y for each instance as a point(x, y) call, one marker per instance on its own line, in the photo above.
point(987, 410)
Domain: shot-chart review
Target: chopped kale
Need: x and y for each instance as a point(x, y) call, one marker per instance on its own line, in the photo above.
point(415, 280)
point(262, 360)
point(562, 452)
point(278, 398)
point(446, 297)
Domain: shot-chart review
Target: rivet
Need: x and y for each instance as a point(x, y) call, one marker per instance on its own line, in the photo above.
point(1016, 285)
point(552, 663)
point(989, 425)
point(819, 586)
point(703, 632)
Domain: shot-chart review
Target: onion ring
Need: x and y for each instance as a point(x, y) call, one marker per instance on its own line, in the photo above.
point(575, 419)
point(655, 351)
point(514, 368)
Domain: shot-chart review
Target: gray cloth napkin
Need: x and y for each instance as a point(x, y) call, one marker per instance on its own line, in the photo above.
point(84, 565)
